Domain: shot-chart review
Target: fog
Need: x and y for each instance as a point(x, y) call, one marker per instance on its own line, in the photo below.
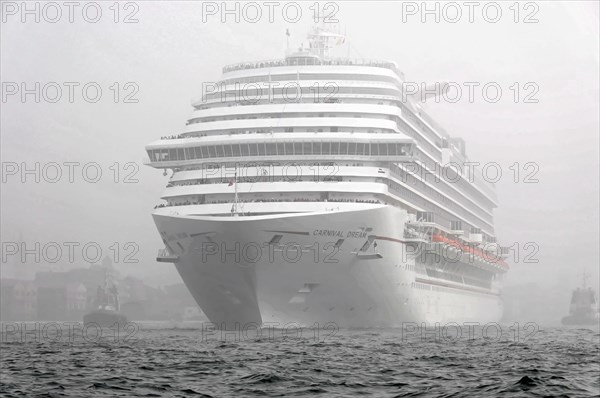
point(170, 52)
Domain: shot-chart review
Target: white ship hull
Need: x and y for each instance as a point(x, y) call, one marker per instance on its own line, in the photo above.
point(248, 270)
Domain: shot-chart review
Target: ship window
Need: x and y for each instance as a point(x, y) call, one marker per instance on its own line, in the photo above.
point(180, 154)
point(374, 150)
point(307, 148)
point(235, 149)
point(219, 150)
point(271, 150)
point(244, 149)
point(211, 152)
point(253, 149)
point(198, 152)
point(392, 149)
point(326, 148)
point(297, 148)
point(316, 148)
point(261, 149)
point(289, 148)
point(205, 153)
point(352, 148)
point(335, 148)
point(280, 149)
point(382, 149)
point(227, 149)
point(425, 216)
point(188, 154)
point(343, 148)
point(360, 149)
point(172, 154)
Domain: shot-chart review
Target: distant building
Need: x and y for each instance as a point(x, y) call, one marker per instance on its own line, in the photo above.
point(77, 301)
point(68, 295)
point(64, 295)
point(18, 300)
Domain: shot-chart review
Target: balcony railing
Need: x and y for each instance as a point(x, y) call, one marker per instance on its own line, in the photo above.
point(311, 61)
point(164, 256)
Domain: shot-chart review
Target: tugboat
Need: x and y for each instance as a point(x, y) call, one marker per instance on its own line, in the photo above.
point(584, 307)
point(106, 314)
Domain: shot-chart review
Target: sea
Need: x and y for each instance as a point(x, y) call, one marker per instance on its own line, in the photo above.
point(66, 359)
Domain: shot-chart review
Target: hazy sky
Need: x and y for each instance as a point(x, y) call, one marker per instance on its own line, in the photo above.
point(170, 52)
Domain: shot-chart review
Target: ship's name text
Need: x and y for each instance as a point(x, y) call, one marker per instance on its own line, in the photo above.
point(340, 234)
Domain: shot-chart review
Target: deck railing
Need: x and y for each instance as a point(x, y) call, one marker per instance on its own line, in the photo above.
point(311, 61)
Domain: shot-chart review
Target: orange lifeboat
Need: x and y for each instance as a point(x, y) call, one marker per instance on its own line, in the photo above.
point(469, 249)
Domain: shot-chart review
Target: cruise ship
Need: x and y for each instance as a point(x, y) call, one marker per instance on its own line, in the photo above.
point(312, 189)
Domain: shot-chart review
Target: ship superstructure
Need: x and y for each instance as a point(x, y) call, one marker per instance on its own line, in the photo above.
point(106, 306)
point(312, 189)
point(584, 309)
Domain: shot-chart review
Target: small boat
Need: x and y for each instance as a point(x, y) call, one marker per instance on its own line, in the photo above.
point(584, 307)
point(106, 314)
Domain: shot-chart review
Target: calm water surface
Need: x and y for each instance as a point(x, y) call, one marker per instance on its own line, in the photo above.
point(195, 362)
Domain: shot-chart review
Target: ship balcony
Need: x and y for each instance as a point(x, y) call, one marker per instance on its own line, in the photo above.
point(475, 238)
point(312, 61)
point(164, 256)
point(454, 253)
point(414, 238)
point(431, 238)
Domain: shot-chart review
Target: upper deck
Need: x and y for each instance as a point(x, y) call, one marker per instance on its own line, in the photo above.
point(302, 60)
